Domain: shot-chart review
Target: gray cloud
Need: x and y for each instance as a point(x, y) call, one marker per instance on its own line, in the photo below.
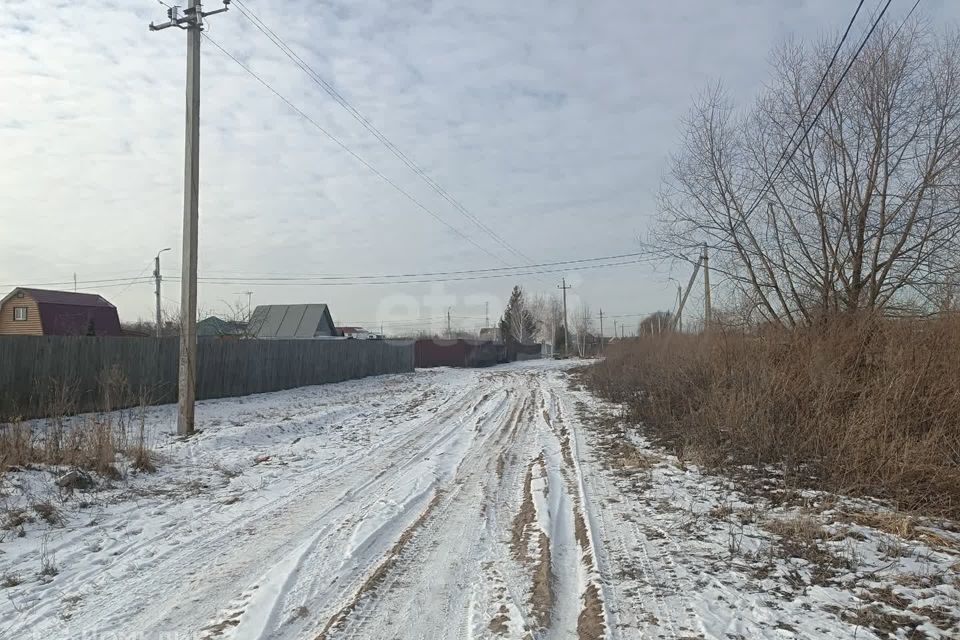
point(551, 121)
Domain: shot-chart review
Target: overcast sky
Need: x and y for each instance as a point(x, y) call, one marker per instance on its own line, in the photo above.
point(550, 122)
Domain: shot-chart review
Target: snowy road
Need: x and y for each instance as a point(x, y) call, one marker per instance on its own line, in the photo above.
point(444, 504)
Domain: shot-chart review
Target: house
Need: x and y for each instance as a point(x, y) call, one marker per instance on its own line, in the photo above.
point(491, 333)
point(358, 333)
point(292, 321)
point(41, 312)
point(214, 327)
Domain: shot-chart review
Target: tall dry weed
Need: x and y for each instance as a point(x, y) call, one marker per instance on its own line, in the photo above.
point(862, 404)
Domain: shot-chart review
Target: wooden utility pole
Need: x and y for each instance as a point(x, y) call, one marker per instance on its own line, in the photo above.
point(157, 278)
point(601, 329)
point(686, 294)
point(192, 21)
point(707, 310)
point(566, 330)
point(678, 321)
point(449, 330)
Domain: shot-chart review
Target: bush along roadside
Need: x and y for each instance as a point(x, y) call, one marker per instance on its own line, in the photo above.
point(861, 405)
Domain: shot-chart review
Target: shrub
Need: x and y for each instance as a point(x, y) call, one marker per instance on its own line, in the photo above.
point(861, 404)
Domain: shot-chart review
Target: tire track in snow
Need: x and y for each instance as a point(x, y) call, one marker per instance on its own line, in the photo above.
point(268, 605)
point(309, 508)
point(593, 622)
point(468, 487)
point(625, 541)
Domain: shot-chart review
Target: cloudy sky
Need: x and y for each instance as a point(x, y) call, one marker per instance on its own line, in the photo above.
point(550, 122)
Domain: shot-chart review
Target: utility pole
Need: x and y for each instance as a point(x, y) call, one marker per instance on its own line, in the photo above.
point(192, 21)
point(566, 330)
point(601, 329)
point(449, 331)
point(249, 295)
point(74, 281)
point(488, 315)
point(686, 294)
point(678, 321)
point(157, 278)
point(707, 310)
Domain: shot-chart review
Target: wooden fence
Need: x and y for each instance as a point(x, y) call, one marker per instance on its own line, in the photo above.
point(47, 375)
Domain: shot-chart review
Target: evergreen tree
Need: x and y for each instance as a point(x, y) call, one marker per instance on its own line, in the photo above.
point(517, 324)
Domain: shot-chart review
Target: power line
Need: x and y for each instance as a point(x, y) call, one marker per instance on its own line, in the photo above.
point(778, 168)
point(317, 282)
point(816, 92)
point(365, 122)
point(134, 280)
point(118, 282)
point(356, 156)
point(280, 277)
point(572, 265)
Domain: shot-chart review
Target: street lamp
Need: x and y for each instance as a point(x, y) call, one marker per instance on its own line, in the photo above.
point(156, 276)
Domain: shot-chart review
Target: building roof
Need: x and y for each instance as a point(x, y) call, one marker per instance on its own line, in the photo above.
point(66, 313)
point(48, 296)
point(291, 321)
point(215, 326)
point(342, 330)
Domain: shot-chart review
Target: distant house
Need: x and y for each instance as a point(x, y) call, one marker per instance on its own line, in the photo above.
point(292, 321)
point(358, 333)
point(345, 331)
point(214, 327)
point(491, 333)
point(41, 312)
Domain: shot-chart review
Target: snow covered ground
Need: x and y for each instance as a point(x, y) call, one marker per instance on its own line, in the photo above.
point(497, 503)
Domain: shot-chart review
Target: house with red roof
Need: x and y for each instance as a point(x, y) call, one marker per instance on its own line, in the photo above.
point(41, 312)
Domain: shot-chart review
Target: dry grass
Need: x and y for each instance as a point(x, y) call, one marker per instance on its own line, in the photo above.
point(91, 443)
point(862, 405)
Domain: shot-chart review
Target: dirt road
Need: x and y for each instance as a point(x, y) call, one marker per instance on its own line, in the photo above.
point(445, 504)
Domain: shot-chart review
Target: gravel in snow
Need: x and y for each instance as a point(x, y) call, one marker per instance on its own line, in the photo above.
point(498, 503)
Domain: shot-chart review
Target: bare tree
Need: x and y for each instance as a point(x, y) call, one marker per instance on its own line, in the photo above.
point(582, 320)
point(547, 312)
point(656, 323)
point(865, 215)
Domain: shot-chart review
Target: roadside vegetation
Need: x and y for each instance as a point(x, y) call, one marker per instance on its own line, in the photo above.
point(90, 442)
point(863, 405)
point(829, 206)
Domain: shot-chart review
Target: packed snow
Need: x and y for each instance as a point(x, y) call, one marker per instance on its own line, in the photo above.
point(452, 503)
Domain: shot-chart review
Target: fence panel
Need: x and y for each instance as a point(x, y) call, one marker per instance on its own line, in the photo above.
point(79, 374)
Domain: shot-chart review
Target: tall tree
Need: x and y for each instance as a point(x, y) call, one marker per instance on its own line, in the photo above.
point(866, 213)
point(518, 324)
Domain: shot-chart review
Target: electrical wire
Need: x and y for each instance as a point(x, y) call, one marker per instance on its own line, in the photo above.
point(779, 169)
point(816, 92)
point(280, 277)
point(119, 283)
point(365, 122)
point(134, 280)
point(353, 153)
point(315, 282)
point(572, 265)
